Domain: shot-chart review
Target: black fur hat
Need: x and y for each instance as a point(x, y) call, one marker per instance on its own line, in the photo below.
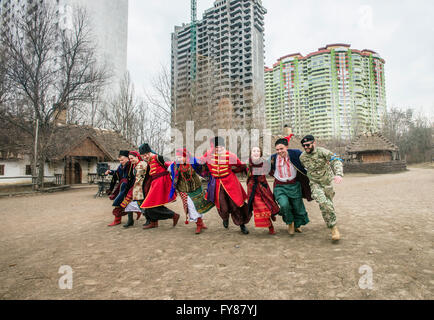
point(124, 153)
point(219, 142)
point(145, 148)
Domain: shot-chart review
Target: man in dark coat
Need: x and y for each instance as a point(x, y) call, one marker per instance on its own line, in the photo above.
point(123, 178)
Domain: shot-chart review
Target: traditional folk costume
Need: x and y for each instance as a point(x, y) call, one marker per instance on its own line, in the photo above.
point(157, 190)
point(290, 186)
point(123, 178)
point(186, 181)
point(261, 199)
point(224, 188)
point(135, 195)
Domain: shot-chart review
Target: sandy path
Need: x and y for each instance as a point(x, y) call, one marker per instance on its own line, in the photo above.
point(387, 223)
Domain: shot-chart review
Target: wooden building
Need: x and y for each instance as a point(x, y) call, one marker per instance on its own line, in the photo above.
point(373, 153)
point(72, 156)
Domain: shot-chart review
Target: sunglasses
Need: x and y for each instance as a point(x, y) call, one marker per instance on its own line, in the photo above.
point(307, 145)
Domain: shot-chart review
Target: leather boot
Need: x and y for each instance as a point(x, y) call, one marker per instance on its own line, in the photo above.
point(244, 229)
point(147, 222)
point(130, 221)
point(226, 223)
point(116, 221)
point(175, 219)
point(335, 234)
point(291, 230)
point(151, 225)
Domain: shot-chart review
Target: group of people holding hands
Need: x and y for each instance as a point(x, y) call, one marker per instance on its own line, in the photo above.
point(144, 183)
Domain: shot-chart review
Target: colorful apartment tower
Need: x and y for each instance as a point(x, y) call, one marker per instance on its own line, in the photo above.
point(334, 92)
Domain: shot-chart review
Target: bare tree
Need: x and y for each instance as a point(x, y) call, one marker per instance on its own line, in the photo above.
point(121, 112)
point(160, 99)
point(49, 70)
point(151, 129)
point(4, 87)
point(134, 118)
point(96, 105)
point(411, 133)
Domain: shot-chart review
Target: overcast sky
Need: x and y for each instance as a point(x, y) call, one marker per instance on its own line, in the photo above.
point(401, 32)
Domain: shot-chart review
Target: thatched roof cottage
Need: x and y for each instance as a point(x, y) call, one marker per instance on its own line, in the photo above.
point(373, 153)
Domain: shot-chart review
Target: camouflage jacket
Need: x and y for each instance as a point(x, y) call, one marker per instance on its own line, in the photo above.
point(322, 165)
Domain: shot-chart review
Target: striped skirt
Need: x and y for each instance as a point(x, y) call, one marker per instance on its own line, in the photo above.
point(261, 213)
point(195, 204)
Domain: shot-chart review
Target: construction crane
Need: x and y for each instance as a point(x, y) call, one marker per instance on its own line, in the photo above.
point(193, 37)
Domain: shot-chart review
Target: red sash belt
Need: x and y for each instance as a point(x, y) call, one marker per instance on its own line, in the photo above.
point(293, 181)
point(221, 177)
point(159, 175)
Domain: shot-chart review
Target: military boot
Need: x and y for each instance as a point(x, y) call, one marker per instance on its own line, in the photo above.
point(291, 229)
point(335, 234)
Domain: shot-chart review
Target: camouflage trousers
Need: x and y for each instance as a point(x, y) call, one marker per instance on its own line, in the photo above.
point(323, 195)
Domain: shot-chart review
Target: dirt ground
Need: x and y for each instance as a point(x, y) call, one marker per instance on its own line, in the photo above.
point(386, 222)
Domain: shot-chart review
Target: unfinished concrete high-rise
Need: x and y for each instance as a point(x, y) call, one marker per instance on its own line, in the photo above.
point(227, 88)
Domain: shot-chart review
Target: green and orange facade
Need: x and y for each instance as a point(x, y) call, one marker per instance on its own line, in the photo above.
point(334, 92)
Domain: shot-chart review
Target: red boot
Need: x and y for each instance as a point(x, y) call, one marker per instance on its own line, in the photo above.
point(271, 229)
point(119, 212)
point(116, 221)
point(200, 225)
point(203, 224)
point(151, 225)
point(139, 214)
point(175, 219)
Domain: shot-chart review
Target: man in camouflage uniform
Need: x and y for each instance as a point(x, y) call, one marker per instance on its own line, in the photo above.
point(323, 166)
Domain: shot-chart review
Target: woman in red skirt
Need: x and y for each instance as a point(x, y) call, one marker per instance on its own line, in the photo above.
point(261, 199)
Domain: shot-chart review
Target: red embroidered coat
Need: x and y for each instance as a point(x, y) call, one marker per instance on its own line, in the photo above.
point(157, 184)
point(222, 168)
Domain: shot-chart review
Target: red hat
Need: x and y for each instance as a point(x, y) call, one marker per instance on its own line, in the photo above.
point(284, 141)
point(136, 154)
point(289, 137)
point(182, 152)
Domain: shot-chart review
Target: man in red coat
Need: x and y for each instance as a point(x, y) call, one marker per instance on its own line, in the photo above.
point(157, 189)
point(224, 188)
